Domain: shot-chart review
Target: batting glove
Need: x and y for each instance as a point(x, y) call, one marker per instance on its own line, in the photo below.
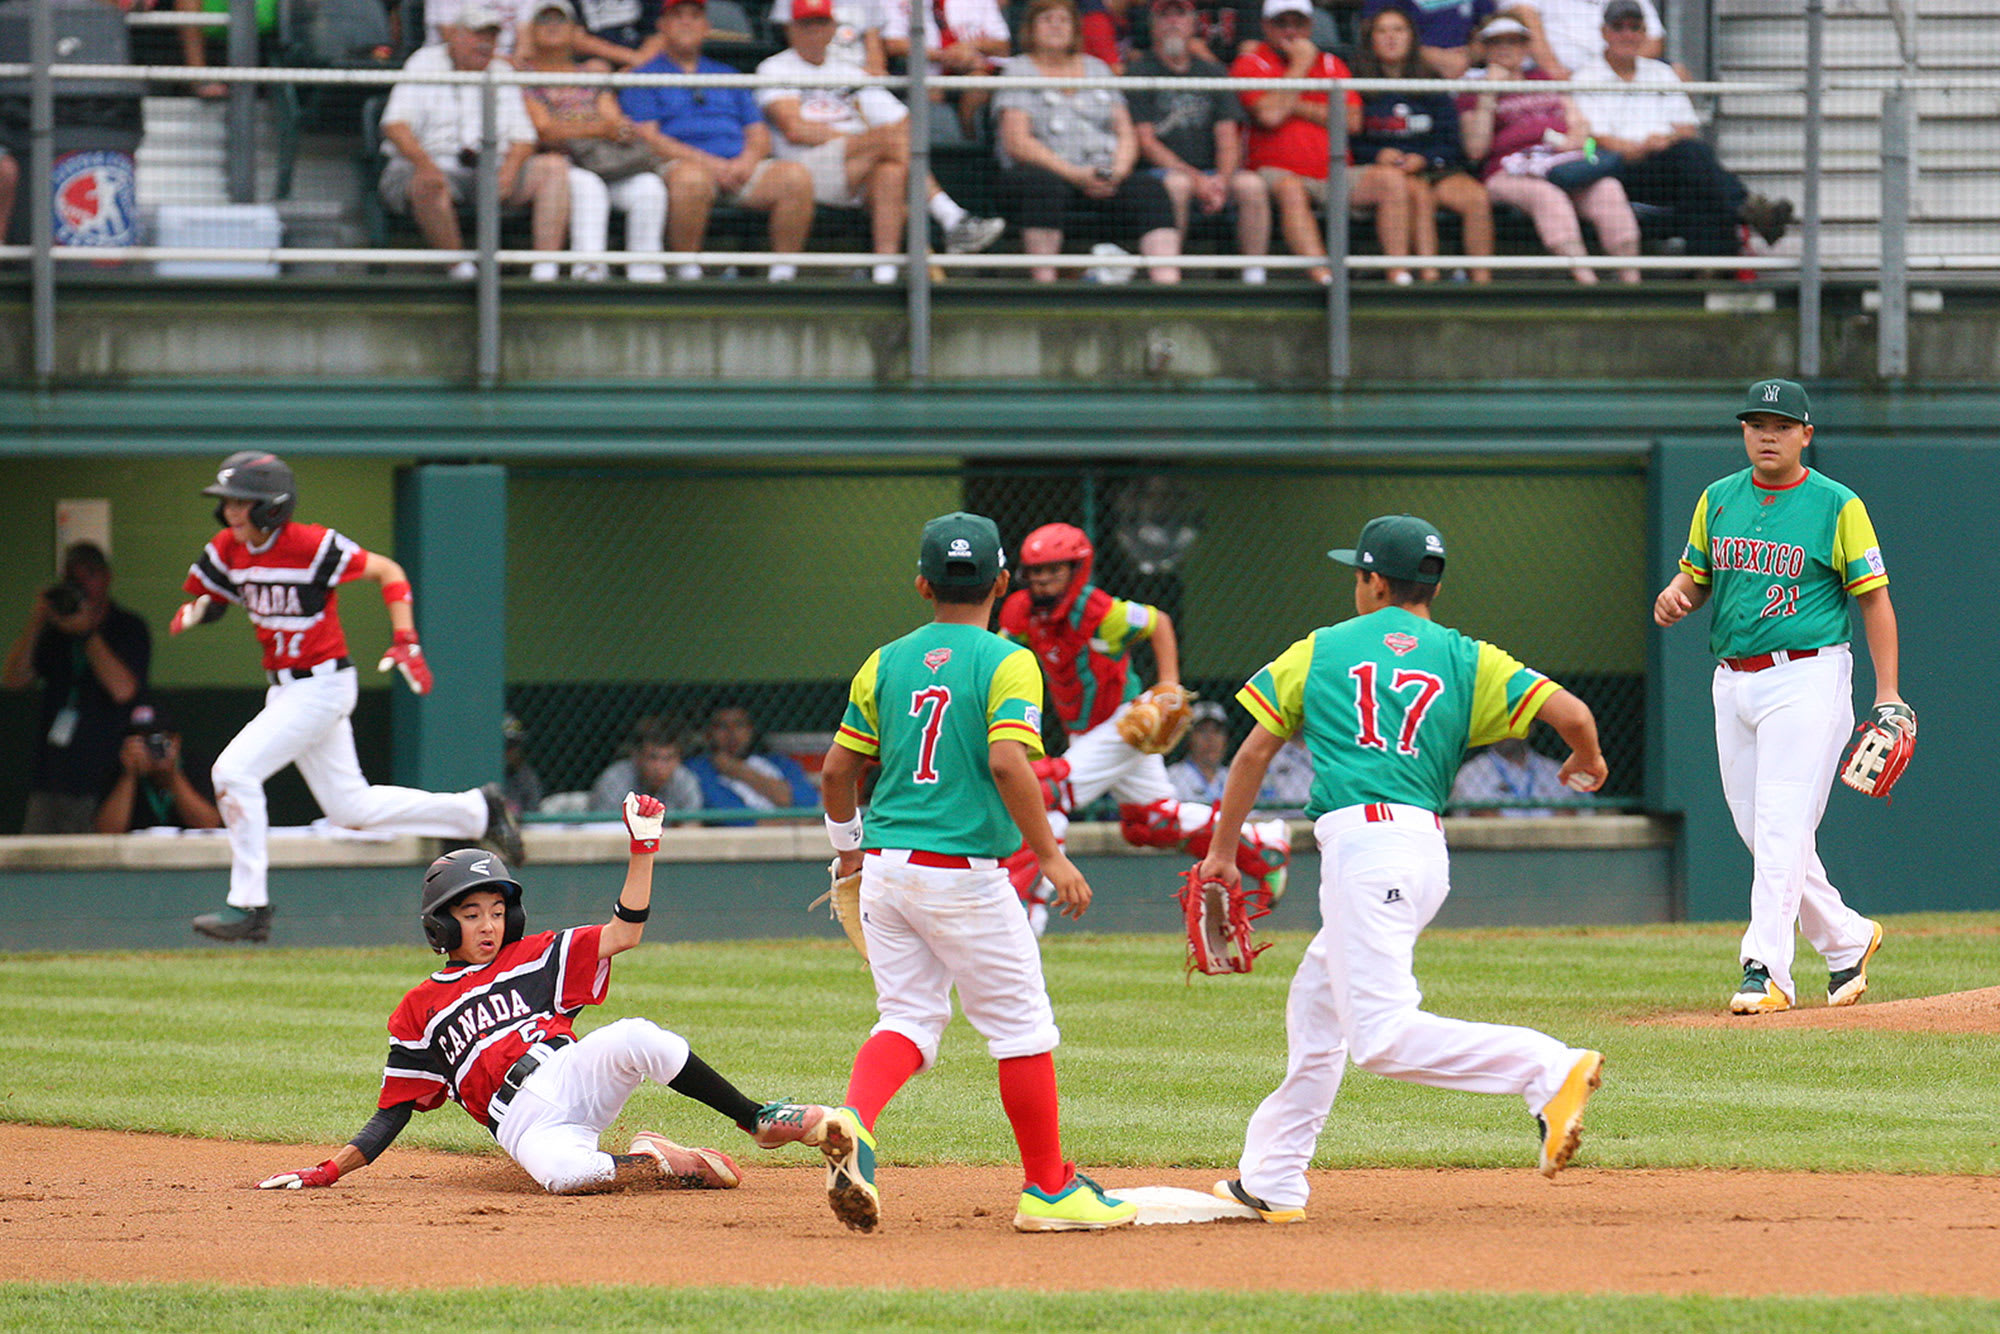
point(643, 817)
point(325, 1174)
point(406, 655)
point(190, 614)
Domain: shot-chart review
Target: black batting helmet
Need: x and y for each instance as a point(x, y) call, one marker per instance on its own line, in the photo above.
point(255, 475)
point(457, 874)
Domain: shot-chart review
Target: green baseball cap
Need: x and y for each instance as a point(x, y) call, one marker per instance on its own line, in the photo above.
point(1398, 546)
point(961, 550)
point(1780, 398)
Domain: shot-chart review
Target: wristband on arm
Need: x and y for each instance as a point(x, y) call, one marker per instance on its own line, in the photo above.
point(396, 592)
point(845, 835)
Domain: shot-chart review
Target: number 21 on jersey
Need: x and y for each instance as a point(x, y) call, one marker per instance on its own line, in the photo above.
point(929, 704)
point(1368, 707)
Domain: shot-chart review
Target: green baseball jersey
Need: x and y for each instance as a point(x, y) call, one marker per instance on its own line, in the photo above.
point(930, 705)
point(1780, 562)
point(1389, 702)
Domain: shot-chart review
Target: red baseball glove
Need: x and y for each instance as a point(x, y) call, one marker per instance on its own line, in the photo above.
point(1218, 923)
point(1882, 749)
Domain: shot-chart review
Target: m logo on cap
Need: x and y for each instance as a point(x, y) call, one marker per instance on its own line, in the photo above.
point(1433, 543)
point(960, 549)
point(1770, 393)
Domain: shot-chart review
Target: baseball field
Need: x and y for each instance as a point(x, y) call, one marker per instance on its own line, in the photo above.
point(1833, 1170)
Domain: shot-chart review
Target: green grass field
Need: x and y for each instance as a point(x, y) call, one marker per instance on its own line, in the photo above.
point(286, 1046)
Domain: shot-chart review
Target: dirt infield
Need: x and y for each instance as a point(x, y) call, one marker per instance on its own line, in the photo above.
point(1958, 1012)
point(90, 1205)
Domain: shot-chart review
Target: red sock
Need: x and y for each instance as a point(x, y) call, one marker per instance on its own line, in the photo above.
point(883, 1065)
point(1028, 1092)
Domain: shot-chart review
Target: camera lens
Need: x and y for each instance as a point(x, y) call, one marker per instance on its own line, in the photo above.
point(156, 745)
point(64, 598)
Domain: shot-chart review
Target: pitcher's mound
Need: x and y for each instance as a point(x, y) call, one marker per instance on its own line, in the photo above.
point(1956, 1012)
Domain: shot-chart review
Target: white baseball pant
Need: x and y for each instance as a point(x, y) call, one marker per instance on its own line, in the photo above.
point(1355, 995)
point(641, 197)
point(1101, 762)
point(1778, 737)
point(553, 1123)
point(306, 723)
point(930, 929)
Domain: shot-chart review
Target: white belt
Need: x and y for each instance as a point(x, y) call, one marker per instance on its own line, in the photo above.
point(1377, 812)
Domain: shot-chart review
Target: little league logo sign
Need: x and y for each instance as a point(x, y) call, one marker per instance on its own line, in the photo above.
point(96, 201)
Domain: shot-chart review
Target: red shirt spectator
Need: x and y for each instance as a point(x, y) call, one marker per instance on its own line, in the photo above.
point(1296, 145)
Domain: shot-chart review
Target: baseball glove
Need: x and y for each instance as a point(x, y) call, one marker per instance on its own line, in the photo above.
point(1882, 749)
point(1218, 923)
point(843, 904)
point(1157, 720)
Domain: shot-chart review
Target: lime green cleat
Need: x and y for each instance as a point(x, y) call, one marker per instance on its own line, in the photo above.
point(1081, 1206)
point(850, 1169)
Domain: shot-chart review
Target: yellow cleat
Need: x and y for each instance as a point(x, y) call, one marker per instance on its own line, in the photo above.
point(1562, 1119)
point(1759, 994)
point(1233, 1191)
point(1081, 1206)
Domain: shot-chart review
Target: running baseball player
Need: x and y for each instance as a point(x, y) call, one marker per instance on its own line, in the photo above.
point(1389, 702)
point(492, 1031)
point(1779, 548)
point(954, 714)
point(286, 576)
point(1083, 637)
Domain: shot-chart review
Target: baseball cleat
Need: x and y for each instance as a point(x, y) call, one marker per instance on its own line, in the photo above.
point(1232, 1190)
point(850, 1169)
point(252, 924)
point(1562, 1120)
point(688, 1169)
point(1759, 994)
point(1845, 985)
point(781, 1123)
point(1081, 1206)
point(503, 831)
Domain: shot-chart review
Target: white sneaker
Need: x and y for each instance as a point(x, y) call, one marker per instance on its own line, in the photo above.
point(545, 272)
point(688, 273)
point(1104, 273)
point(646, 273)
point(590, 273)
point(1255, 276)
point(970, 235)
point(783, 273)
point(464, 271)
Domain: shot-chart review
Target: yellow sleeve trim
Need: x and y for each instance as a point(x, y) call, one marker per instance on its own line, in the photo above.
point(854, 741)
point(1868, 583)
point(1263, 710)
point(1531, 704)
point(1699, 576)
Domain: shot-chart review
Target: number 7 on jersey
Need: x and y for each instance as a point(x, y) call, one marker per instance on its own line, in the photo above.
point(929, 704)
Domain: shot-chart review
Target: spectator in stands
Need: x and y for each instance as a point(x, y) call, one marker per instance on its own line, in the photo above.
point(1107, 31)
point(717, 147)
point(960, 37)
point(1510, 771)
point(1565, 36)
point(10, 178)
point(154, 789)
point(617, 34)
point(1666, 163)
point(1222, 28)
point(857, 32)
point(520, 783)
point(431, 133)
point(854, 141)
point(609, 166)
point(652, 764)
point(1417, 135)
point(1444, 29)
point(1288, 782)
point(735, 775)
point(91, 656)
point(194, 49)
point(1539, 156)
point(1201, 773)
point(1289, 140)
point(1066, 156)
point(1193, 141)
point(440, 16)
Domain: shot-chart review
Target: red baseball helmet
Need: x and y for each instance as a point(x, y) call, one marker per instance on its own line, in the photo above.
point(1054, 542)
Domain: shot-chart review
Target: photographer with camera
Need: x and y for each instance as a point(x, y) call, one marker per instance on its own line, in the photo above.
point(91, 656)
point(153, 789)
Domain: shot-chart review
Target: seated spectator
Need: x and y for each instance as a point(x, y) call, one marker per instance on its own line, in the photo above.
point(717, 147)
point(154, 789)
point(617, 34)
point(1510, 771)
point(855, 142)
point(1665, 162)
point(91, 656)
point(734, 775)
point(1540, 158)
point(857, 32)
point(1222, 28)
point(1193, 141)
point(1566, 36)
point(1288, 782)
point(1107, 32)
point(1202, 772)
point(960, 37)
point(520, 783)
point(609, 166)
point(1290, 141)
point(652, 765)
point(1444, 29)
point(440, 16)
point(431, 134)
point(1069, 156)
point(1417, 134)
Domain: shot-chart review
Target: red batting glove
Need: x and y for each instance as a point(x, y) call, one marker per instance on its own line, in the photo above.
point(190, 614)
point(643, 817)
point(325, 1174)
point(406, 655)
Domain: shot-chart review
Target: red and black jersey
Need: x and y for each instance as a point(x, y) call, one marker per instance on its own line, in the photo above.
point(462, 1028)
point(287, 587)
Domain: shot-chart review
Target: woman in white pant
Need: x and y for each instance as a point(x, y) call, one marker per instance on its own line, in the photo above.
point(610, 168)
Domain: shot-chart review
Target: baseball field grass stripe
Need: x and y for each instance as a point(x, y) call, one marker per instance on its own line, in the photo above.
point(286, 1046)
point(145, 1309)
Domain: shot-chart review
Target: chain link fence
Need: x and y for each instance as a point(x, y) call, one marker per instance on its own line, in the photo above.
point(654, 597)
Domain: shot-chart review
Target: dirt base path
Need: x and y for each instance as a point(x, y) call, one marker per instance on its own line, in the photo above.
point(89, 1205)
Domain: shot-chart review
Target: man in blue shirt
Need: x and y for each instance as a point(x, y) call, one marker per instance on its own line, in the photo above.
point(715, 145)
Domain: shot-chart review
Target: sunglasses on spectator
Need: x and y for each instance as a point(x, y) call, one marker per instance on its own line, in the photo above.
point(1627, 25)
